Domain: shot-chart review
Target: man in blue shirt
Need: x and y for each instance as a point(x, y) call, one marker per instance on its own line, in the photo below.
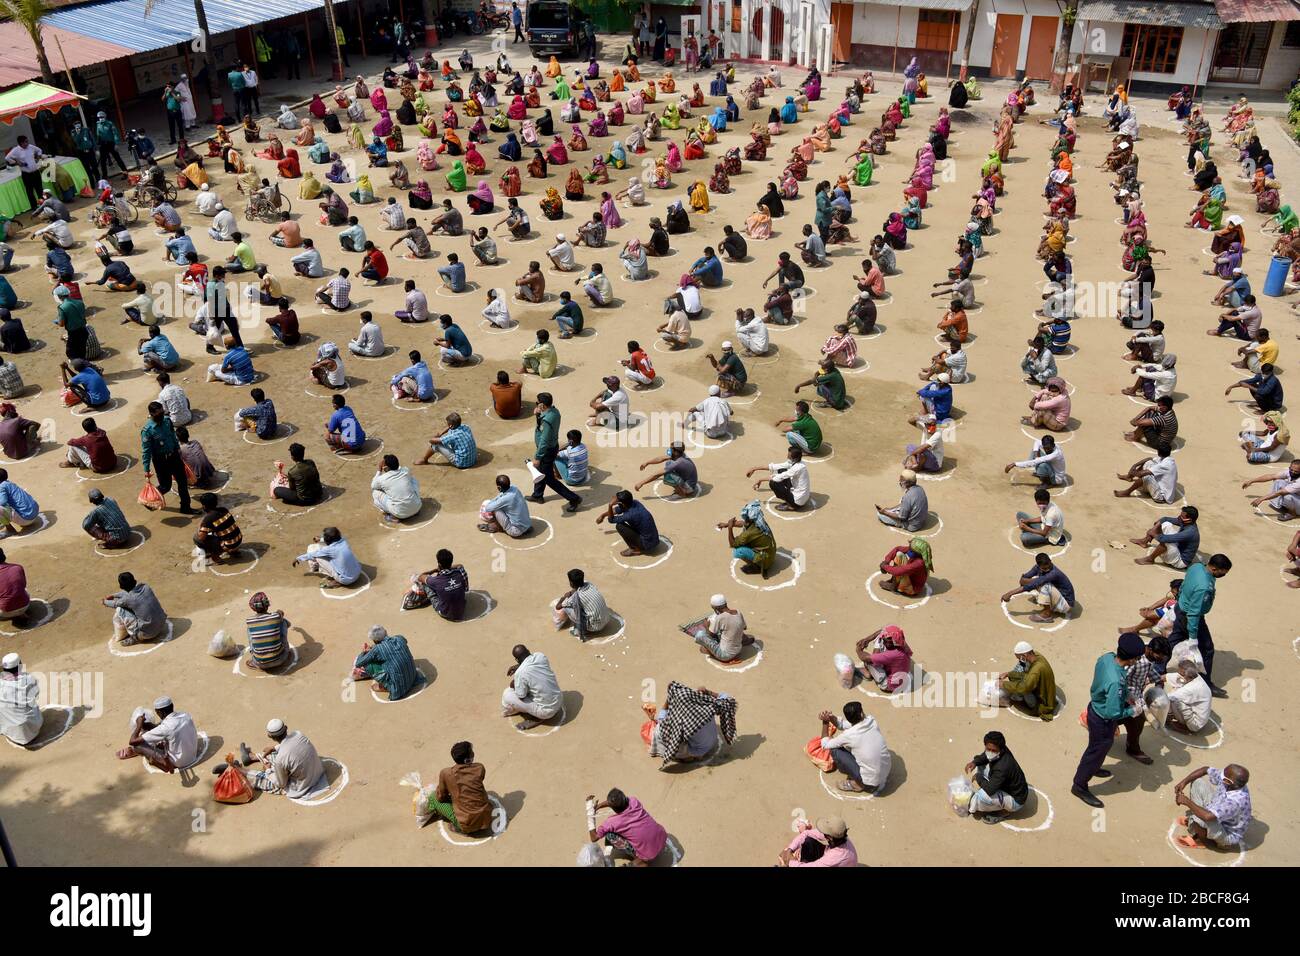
point(235, 368)
point(1048, 587)
point(1173, 540)
point(158, 352)
point(343, 432)
point(180, 249)
point(86, 381)
point(936, 398)
point(455, 443)
point(708, 269)
point(260, 417)
point(331, 555)
point(1264, 388)
point(454, 345)
point(453, 273)
point(568, 316)
point(634, 523)
point(1107, 706)
point(507, 512)
point(18, 509)
point(415, 382)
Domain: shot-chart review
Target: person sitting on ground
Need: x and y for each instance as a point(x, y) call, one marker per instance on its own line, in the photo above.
point(331, 556)
point(825, 844)
point(194, 458)
point(858, 748)
point(169, 744)
point(790, 481)
point(634, 523)
point(137, 614)
point(386, 659)
point(507, 512)
point(455, 443)
point(913, 509)
point(105, 521)
point(1218, 807)
point(1155, 426)
point(678, 472)
point(534, 690)
point(1046, 460)
point(20, 702)
point(687, 727)
point(732, 374)
point(905, 569)
point(1047, 587)
point(453, 344)
point(755, 546)
point(999, 785)
point(1047, 527)
point(1190, 698)
point(713, 415)
point(301, 482)
point(1174, 540)
point(268, 647)
point(460, 798)
point(415, 382)
point(443, 588)
point(631, 830)
point(507, 396)
point(722, 634)
point(343, 431)
point(394, 490)
point(85, 382)
point(1156, 477)
point(291, 767)
point(259, 418)
point(582, 608)
point(1264, 387)
point(609, 406)
point(1284, 496)
point(804, 432)
point(218, 536)
point(1030, 683)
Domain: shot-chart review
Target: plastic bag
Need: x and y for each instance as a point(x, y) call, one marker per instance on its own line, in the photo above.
point(1186, 651)
point(845, 669)
point(819, 755)
point(190, 477)
point(992, 694)
point(592, 855)
point(150, 497)
point(1157, 705)
point(420, 802)
point(281, 480)
point(70, 398)
point(232, 786)
point(221, 645)
point(959, 794)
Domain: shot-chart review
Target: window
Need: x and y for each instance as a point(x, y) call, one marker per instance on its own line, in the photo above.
point(937, 30)
point(1291, 38)
point(1240, 53)
point(1151, 49)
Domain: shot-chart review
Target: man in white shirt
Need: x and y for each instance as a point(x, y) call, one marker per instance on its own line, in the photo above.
point(1189, 699)
point(291, 767)
point(369, 342)
point(223, 226)
point(57, 231)
point(394, 490)
point(686, 298)
point(713, 415)
point(790, 480)
point(534, 689)
point(858, 749)
point(723, 634)
point(497, 312)
point(928, 455)
point(1046, 460)
point(417, 304)
point(1156, 477)
point(207, 202)
point(251, 81)
point(1284, 494)
point(610, 406)
point(169, 745)
point(27, 157)
point(561, 254)
point(1047, 527)
point(20, 703)
point(175, 403)
point(751, 330)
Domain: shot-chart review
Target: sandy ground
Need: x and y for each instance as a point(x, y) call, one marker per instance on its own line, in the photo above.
point(738, 809)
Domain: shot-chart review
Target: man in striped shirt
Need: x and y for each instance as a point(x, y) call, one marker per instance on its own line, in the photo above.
point(266, 633)
point(582, 608)
point(337, 292)
point(105, 521)
point(218, 533)
point(387, 660)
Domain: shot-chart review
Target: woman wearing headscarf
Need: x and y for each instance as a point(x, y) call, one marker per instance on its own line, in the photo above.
point(1270, 443)
point(552, 205)
point(885, 655)
point(720, 182)
point(537, 165)
point(1208, 213)
point(474, 161)
point(310, 187)
point(510, 183)
point(862, 169)
point(420, 196)
point(609, 211)
point(219, 141)
point(699, 195)
point(510, 150)
point(481, 201)
point(754, 545)
point(759, 223)
point(789, 112)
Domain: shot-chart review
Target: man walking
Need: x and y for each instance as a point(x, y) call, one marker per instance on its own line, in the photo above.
point(1195, 598)
point(517, 18)
point(546, 440)
point(1107, 707)
point(161, 451)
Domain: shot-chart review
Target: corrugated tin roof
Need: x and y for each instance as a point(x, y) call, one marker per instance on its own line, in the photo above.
point(1256, 11)
point(1152, 14)
point(927, 4)
point(169, 22)
point(18, 56)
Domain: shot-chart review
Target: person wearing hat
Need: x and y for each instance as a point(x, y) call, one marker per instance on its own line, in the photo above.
point(1108, 705)
point(824, 844)
point(790, 480)
point(999, 784)
point(713, 415)
point(732, 375)
point(105, 521)
point(169, 744)
point(107, 137)
point(609, 407)
point(386, 659)
point(20, 702)
point(1030, 683)
point(137, 614)
point(1049, 589)
point(678, 472)
point(722, 634)
point(561, 254)
point(534, 690)
point(913, 508)
point(290, 766)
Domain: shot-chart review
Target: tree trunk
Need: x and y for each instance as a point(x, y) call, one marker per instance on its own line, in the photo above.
point(332, 25)
point(970, 37)
point(1061, 62)
point(47, 75)
point(209, 64)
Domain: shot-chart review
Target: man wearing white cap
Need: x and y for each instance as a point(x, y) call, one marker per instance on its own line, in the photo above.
point(20, 702)
point(723, 632)
point(752, 332)
point(171, 744)
point(713, 415)
point(561, 254)
point(731, 370)
point(913, 508)
point(1031, 682)
point(291, 766)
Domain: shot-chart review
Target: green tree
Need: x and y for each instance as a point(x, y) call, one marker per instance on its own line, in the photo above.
point(28, 14)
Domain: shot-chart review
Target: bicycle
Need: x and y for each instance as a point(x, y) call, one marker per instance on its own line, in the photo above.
point(267, 210)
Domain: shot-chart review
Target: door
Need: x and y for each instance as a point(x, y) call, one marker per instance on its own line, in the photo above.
point(1006, 44)
point(842, 20)
point(1240, 53)
point(1043, 32)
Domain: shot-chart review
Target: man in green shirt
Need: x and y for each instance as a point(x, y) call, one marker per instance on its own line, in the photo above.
point(243, 260)
point(71, 317)
point(1108, 705)
point(1032, 683)
point(804, 432)
point(755, 546)
point(160, 451)
point(829, 384)
point(1195, 598)
point(546, 443)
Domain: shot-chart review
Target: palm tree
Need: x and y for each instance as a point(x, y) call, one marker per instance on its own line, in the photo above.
point(28, 14)
point(200, 45)
point(331, 24)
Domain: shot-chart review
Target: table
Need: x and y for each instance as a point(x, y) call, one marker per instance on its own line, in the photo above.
point(13, 197)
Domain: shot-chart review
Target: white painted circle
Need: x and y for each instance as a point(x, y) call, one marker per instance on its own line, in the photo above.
point(332, 791)
point(473, 361)
point(403, 526)
point(1165, 505)
point(748, 663)
point(1020, 712)
point(85, 475)
point(839, 794)
point(44, 619)
point(503, 539)
point(49, 709)
point(114, 552)
point(204, 743)
point(817, 459)
point(330, 393)
point(698, 439)
point(546, 728)
point(608, 638)
point(618, 542)
point(1189, 742)
point(490, 328)
point(798, 572)
point(860, 366)
point(238, 668)
point(421, 685)
point(1051, 815)
point(659, 345)
point(1033, 626)
point(1171, 839)
point(298, 510)
point(658, 489)
point(871, 593)
point(1271, 516)
point(917, 534)
point(149, 646)
point(451, 836)
point(282, 432)
point(746, 400)
point(807, 511)
point(350, 591)
point(344, 455)
point(230, 574)
point(1013, 536)
point(1061, 437)
point(113, 405)
point(411, 406)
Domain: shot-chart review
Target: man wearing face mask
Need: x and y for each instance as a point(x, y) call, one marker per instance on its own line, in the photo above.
point(1218, 806)
point(995, 775)
point(1108, 706)
point(1032, 683)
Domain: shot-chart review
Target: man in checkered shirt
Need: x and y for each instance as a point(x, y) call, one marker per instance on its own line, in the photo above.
point(11, 381)
point(336, 293)
point(1149, 669)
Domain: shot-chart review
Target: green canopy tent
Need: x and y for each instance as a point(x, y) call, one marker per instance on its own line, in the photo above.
point(26, 101)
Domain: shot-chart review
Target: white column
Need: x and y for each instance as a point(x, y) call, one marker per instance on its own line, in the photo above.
point(826, 50)
point(787, 30)
point(746, 30)
point(767, 30)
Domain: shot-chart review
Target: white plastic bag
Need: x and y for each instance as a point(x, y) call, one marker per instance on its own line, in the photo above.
point(992, 694)
point(419, 802)
point(592, 855)
point(1186, 651)
point(959, 794)
point(222, 645)
point(844, 668)
point(1157, 705)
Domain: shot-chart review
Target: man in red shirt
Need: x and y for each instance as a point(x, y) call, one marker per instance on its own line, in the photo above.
point(374, 265)
point(506, 396)
point(92, 450)
point(637, 366)
point(14, 598)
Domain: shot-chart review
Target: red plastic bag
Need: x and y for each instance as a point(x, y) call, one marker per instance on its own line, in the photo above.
point(820, 756)
point(150, 497)
point(190, 477)
point(70, 398)
point(231, 786)
point(648, 731)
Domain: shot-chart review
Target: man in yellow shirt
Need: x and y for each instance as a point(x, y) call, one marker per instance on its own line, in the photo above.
point(1262, 351)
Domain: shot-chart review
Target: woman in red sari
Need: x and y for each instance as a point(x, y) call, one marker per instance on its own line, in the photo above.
point(289, 167)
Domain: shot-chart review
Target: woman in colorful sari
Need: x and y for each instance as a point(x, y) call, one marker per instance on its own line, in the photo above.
point(662, 178)
point(672, 117)
point(587, 100)
point(533, 98)
point(862, 169)
point(573, 188)
point(673, 158)
point(789, 112)
point(911, 213)
point(599, 126)
point(1227, 261)
point(420, 196)
point(561, 91)
point(759, 223)
point(556, 154)
point(805, 150)
point(510, 183)
point(306, 134)
point(365, 192)
point(790, 183)
point(310, 187)
point(319, 152)
point(426, 157)
point(577, 141)
point(552, 205)
point(289, 167)
point(219, 142)
point(895, 231)
point(377, 152)
point(395, 141)
point(617, 155)
point(1208, 213)
point(398, 177)
point(652, 128)
point(233, 160)
point(379, 99)
point(510, 150)
point(456, 177)
point(553, 68)
point(518, 109)
point(636, 103)
point(699, 195)
point(609, 211)
point(720, 182)
point(694, 146)
point(274, 149)
point(481, 201)
point(537, 165)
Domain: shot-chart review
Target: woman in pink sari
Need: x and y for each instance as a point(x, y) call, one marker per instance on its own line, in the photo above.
point(674, 158)
point(636, 103)
point(616, 115)
point(598, 126)
point(556, 154)
point(385, 124)
point(378, 98)
point(805, 150)
point(518, 109)
point(425, 156)
point(450, 118)
point(609, 211)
